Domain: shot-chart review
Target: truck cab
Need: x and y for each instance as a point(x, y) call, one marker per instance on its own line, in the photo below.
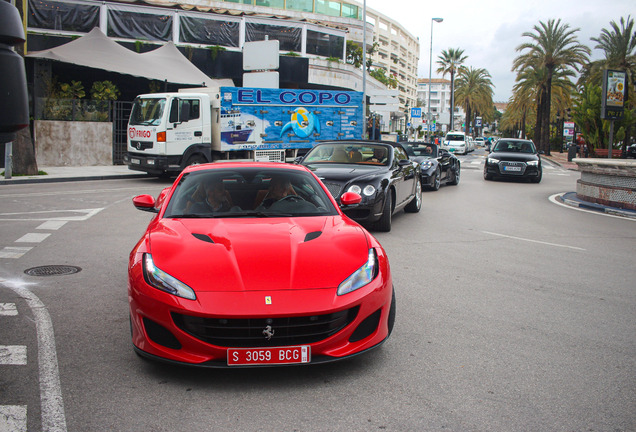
point(169, 131)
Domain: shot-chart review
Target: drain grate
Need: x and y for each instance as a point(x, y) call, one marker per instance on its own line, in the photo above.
point(52, 270)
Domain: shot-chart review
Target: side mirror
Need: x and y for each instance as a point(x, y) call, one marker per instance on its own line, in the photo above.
point(298, 159)
point(145, 203)
point(350, 199)
point(404, 162)
point(541, 152)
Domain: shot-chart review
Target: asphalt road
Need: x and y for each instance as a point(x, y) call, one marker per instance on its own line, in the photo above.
point(514, 314)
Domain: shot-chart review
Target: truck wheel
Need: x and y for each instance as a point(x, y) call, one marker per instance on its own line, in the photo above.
point(196, 160)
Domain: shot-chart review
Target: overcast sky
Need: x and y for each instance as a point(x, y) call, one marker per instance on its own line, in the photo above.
point(489, 31)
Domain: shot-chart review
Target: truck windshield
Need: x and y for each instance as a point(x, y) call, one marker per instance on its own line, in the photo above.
point(147, 112)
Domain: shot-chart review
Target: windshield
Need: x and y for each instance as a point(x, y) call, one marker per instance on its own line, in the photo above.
point(427, 150)
point(349, 153)
point(515, 147)
point(248, 192)
point(450, 137)
point(147, 112)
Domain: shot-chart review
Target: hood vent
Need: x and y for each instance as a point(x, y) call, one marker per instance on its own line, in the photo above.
point(203, 237)
point(312, 235)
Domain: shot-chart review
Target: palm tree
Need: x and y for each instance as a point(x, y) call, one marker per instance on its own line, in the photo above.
point(474, 92)
point(619, 45)
point(554, 45)
point(450, 62)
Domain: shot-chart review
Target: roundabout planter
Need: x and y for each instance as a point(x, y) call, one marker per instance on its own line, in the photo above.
point(607, 182)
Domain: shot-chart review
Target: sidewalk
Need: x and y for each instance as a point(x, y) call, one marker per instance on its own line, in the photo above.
point(81, 173)
point(561, 159)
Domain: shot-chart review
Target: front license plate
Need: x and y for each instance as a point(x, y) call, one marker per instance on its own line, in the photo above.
point(509, 168)
point(263, 356)
point(451, 149)
point(135, 161)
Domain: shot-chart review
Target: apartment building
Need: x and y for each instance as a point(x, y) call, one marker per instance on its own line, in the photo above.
point(440, 92)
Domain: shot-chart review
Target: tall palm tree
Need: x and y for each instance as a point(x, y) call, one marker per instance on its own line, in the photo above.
point(554, 45)
point(474, 92)
point(450, 62)
point(619, 45)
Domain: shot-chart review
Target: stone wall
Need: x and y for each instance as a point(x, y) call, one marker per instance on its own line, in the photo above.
point(608, 182)
point(67, 143)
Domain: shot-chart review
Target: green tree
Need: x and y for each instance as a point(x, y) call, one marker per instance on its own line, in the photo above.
point(619, 45)
point(474, 93)
point(75, 90)
point(554, 46)
point(104, 91)
point(450, 62)
point(388, 80)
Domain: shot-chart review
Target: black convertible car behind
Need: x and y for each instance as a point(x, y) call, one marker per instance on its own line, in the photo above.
point(437, 165)
point(379, 171)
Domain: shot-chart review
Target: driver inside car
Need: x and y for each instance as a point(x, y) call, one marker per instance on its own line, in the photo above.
point(279, 188)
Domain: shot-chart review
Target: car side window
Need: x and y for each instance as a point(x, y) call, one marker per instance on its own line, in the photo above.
point(400, 154)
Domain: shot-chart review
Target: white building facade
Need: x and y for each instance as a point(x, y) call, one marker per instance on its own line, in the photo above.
point(440, 93)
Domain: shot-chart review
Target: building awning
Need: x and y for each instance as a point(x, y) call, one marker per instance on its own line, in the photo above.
point(96, 50)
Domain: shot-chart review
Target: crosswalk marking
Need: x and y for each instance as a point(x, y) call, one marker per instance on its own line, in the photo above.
point(13, 418)
point(32, 238)
point(13, 355)
point(52, 225)
point(14, 252)
point(8, 309)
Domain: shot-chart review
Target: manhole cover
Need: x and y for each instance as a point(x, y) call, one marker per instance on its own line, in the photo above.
point(52, 270)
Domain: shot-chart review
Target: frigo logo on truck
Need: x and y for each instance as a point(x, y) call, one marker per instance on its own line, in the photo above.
point(137, 133)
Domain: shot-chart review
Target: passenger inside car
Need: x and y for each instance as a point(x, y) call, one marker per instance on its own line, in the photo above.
point(217, 199)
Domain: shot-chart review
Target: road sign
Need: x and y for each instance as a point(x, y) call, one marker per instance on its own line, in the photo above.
point(568, 125)
point(416, 112)
point(432, 127)
point(477, 121)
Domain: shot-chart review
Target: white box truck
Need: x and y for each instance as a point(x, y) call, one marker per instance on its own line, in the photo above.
point(169, 131)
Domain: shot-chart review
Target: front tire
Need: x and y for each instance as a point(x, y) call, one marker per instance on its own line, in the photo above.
point(416, 203)
point(456, 175)
point(384, 223)
point(196, 160)
point(435, 184)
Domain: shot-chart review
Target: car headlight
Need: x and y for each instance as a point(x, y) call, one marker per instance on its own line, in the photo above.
point(368, 190)
point(426, 164)
point(533, 163)
point(493, 161)
point(362, 276)
point(161, 280)
point(355, 189)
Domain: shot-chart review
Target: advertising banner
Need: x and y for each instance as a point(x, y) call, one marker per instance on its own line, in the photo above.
point(263, 118)
point(613, 97)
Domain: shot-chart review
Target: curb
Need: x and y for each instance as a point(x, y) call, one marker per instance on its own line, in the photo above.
point(594, 207)
point(70, 179)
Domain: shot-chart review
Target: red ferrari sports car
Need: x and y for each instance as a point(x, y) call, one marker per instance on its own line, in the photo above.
point(252, 264)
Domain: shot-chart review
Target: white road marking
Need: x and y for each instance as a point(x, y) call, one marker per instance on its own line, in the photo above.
point(8, 309)
point(86, 213)
point(534, 241)
point(13, 418)
point(14, 252)
point(78, 192)
point(13, 355)
point(52, 225)
point(478, 162)
point(32, 238)
point(53, 417)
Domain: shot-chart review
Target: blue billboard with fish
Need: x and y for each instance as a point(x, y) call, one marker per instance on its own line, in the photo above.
point(260, 119)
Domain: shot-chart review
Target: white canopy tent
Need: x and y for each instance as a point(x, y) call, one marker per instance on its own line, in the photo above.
point(96, 50)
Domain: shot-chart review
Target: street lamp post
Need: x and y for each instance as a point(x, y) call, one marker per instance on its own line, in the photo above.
point(430, 72)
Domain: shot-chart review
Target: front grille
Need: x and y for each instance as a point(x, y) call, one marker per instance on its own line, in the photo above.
point(243, 333)
point(334, 189)
point(141, 145)
point(504, 164)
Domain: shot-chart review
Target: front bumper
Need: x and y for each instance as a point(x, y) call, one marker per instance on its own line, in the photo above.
point(157, 333)
point(151, 164)
point(505, 169)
